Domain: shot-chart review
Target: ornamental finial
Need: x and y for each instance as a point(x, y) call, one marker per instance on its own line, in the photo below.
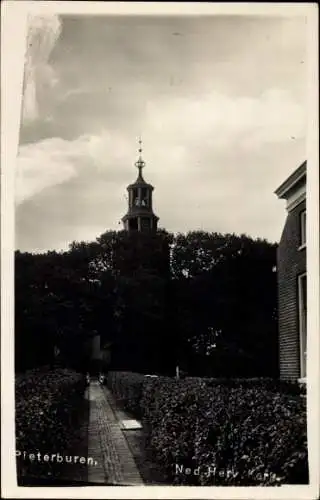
point(140, 163)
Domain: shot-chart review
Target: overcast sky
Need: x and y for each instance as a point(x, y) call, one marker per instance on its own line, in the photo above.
point(220, 103)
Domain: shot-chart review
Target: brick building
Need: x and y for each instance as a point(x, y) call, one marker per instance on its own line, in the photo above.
point(292, 278)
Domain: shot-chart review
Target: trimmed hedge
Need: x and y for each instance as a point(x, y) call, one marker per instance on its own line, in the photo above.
point(127, 387)
point(204, 432)
point(47, 406)
point(268, 384)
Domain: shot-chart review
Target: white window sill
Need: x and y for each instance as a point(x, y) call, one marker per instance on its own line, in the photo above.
point(302, 247)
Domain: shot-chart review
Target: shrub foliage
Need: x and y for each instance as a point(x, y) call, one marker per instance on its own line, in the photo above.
point(127, 387)
point(47, 407)
point(206, 431)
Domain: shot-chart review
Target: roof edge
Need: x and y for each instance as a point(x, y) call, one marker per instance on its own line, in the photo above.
point(292, 180)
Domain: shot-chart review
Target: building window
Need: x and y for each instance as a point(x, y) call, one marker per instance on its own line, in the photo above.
point(133, 224)
point(145, 223)
point(135, 198)
point(302, 304)
point(303, 228)
point(144, 197)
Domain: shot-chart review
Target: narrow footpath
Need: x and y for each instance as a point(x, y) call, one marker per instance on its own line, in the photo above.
point(113, 461)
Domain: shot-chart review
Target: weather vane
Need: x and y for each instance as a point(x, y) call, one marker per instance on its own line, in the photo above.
point(140, 163)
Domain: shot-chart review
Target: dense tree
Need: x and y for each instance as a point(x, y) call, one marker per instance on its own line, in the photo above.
point(142, 274)
point(228, 317)
point(205, 301)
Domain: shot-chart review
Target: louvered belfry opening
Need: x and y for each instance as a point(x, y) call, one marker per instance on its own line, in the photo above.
point(140, 215)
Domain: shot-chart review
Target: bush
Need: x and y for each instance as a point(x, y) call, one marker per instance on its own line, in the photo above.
point(267, 384)
point(47, 407)
point(230, 432)
point(229, 435)
point(127, 388)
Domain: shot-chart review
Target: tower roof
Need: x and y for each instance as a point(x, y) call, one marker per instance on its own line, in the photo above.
point(140, 164)
point(140, 215)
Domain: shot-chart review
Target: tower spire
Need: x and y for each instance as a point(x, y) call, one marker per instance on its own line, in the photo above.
point(140, 163)
point(140, 215)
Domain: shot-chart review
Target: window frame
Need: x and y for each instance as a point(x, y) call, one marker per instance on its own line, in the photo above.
point(302, 353)
point(133, 224)
point(303, 229)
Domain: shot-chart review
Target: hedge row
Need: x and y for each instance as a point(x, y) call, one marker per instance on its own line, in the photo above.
point(127, 387)
point(268, 384)
point(47, 406)
point(202, 432)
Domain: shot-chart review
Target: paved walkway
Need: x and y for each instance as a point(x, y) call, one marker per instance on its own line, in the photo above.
point(112, 459)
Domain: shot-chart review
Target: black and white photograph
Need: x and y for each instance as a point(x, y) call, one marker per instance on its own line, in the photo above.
point(161, 330)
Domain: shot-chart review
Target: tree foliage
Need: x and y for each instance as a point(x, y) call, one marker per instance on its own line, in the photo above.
point(205, 301)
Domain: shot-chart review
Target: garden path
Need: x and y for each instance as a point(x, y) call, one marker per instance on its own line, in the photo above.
point(107, 445)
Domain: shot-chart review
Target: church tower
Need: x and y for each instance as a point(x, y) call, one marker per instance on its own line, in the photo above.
point(140, 216)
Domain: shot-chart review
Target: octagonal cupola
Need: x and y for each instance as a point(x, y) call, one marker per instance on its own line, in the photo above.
point(140, 216)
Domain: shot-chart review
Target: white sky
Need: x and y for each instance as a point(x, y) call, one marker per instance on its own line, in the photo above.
point(220, 103)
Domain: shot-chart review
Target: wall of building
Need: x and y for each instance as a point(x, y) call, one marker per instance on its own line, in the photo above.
point(291, 263)
point(96, 349)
